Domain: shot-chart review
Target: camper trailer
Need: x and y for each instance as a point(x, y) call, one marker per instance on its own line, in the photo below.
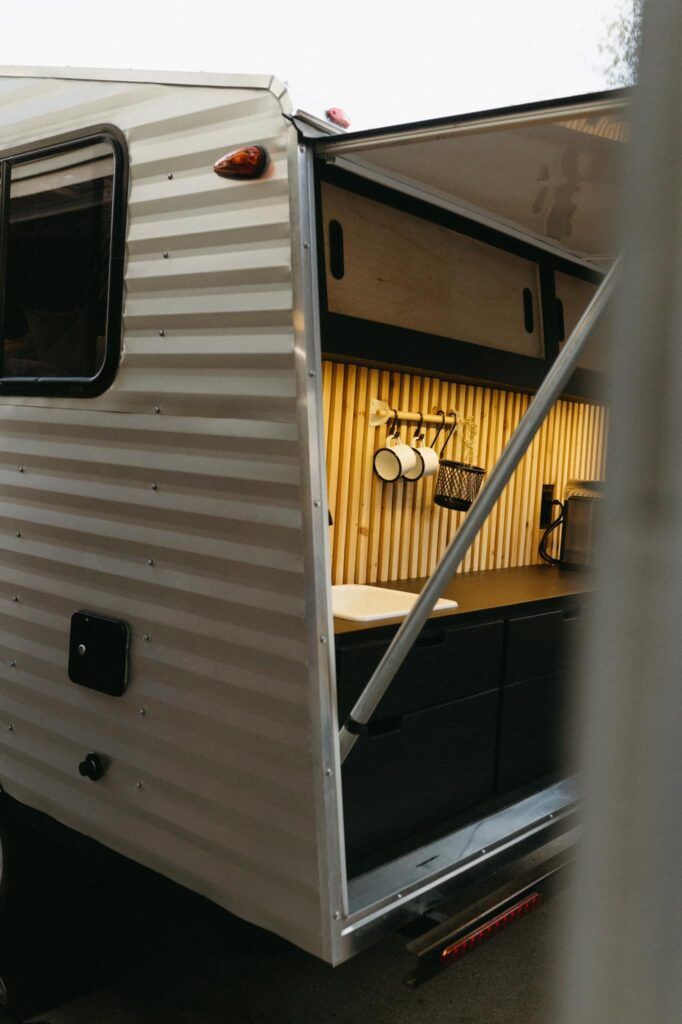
point(259, 377)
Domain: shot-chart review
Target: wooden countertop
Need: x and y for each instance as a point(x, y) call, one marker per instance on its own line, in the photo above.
point(495, 588)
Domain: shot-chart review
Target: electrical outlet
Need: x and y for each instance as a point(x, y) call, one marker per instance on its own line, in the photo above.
point(546, 505)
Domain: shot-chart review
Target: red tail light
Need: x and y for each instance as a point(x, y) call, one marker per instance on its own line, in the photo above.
point(249, 162)
point(456, 950)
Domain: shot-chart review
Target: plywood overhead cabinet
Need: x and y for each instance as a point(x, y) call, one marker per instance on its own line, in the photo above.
point(167, 655)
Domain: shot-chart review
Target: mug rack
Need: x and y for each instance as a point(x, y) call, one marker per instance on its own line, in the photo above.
point(457, 483)
point(381, 412)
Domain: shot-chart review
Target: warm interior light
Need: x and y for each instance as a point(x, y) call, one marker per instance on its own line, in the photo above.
point(456, 950)
point(248, 162)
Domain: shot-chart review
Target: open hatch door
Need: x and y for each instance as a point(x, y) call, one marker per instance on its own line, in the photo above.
point(550, 173)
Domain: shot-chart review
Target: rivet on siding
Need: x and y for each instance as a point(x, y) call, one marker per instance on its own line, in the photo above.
point(162, 333)
point(138, 784)
point(150, 561)
point(12, 663)
point(311, 373)
point(18, 533)
point(170, 175)
point(301, 149)
point(306, 245)
point(328, 772)
point(323, 639)
point(337, 915)
point(10, 727)
point(164, 254)
point(21, 469)
point(484, 851)
point(317, 503)
point(14, 597)
point(155, 487)
point(143, 711)
point(157, 408)
point(399, 896)
point(146, 636)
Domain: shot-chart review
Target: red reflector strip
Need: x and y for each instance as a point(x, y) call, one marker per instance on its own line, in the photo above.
point(456, 950)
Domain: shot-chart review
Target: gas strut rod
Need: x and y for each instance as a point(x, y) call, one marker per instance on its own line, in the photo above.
point(550, 389)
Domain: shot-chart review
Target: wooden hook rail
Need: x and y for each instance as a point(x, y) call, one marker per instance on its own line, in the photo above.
point(380, 412)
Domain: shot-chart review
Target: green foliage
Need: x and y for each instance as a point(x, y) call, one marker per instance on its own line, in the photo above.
point(621, 46)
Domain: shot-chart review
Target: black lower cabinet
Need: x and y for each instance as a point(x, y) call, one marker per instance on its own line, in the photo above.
point(532, 730)
point(536, 702)
point(409, 772)
point(448, 661)
point(477, 711)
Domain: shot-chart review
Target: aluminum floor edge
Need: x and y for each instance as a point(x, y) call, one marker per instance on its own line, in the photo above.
point(394, 885)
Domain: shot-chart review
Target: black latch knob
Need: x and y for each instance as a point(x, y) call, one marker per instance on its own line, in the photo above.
point(92, 767)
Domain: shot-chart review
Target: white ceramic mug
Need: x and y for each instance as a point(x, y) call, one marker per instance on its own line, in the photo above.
point(393, 461)
point(426, 463)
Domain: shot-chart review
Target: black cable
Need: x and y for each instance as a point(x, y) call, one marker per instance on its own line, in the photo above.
point(554, 525)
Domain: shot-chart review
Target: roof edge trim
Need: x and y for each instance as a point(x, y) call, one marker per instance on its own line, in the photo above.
point(474, 120)
point(196, 79)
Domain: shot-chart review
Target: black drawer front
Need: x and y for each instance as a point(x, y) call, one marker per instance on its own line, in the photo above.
point(536, 646)
point(445, 664)
point(437, 763)
point(572, 632)
point(532, 730)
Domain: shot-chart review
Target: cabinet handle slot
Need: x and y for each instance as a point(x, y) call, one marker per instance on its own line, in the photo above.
point(384, 725)
point(336, 257)
point(528, 319)
point(431, 640)
point(560, 326)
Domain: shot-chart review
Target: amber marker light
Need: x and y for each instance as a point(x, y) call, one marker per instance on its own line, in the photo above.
point(249, 162)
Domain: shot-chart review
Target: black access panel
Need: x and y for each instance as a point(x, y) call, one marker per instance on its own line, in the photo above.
point(98, 653)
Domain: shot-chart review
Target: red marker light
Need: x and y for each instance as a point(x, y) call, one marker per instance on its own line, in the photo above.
point(249, 162)
point(456, 950)
point(338, 116)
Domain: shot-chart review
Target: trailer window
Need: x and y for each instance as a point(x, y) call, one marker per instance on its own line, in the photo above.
point(58, 225)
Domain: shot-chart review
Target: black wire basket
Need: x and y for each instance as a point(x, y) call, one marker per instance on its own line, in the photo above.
point(457, 485)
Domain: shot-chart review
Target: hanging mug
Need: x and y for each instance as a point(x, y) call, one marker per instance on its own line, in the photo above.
point(426, 463)
point(396, 458)
point(428, 454)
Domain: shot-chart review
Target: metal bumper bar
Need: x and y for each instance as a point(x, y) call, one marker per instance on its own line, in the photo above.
point(550, 389)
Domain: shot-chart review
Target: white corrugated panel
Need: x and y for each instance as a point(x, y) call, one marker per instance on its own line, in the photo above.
point(214, 783)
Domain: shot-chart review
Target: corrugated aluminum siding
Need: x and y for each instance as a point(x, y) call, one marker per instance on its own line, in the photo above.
point(211, 779)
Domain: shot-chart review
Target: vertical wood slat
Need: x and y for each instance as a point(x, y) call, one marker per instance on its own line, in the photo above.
point(395, 531)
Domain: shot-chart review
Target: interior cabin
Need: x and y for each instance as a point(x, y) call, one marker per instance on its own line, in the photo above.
point(456, 262)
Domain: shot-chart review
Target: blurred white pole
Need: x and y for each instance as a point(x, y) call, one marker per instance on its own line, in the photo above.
point(624, 960)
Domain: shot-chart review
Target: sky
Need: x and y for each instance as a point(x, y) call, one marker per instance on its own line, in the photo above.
point(383, 62)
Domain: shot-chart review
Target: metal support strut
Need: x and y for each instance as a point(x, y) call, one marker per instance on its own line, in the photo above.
point(550, 389)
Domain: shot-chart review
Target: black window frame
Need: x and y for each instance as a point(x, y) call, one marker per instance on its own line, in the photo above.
point(72, 387)
point(353, 339)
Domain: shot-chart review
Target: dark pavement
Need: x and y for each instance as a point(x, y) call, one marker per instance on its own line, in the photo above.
point(185, 974)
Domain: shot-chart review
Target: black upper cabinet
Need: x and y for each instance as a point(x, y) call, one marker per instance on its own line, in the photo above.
point(406, 285)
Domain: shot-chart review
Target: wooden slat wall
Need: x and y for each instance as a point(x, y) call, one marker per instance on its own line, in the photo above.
point(394, 531)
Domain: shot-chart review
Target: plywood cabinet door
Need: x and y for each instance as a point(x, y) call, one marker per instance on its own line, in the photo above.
point(575, 295)
point(401, 270)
